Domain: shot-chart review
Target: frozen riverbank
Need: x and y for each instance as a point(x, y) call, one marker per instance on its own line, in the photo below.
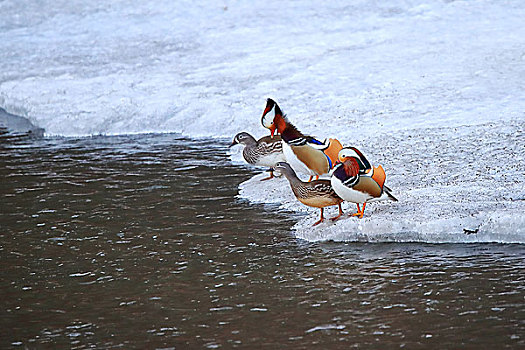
point(433, 90)
point(461, 184)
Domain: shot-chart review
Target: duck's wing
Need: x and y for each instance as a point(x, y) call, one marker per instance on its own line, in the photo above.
point(368, 186)
point(268, 139)
point(315, 143)
point(269, 145)
point(323, 188)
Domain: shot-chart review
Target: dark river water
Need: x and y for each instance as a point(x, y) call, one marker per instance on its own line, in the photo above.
point(140, 242)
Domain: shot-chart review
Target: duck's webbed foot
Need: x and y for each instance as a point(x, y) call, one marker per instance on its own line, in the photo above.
point(269, 177)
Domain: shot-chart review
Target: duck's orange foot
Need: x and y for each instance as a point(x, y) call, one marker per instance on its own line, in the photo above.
point(269, 177)
point(340, 213)
point(335, 217)
point(360, 212)
point(318, 222)
point(321, 219)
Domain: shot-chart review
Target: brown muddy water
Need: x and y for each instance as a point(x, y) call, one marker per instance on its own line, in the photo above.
point(140, 242)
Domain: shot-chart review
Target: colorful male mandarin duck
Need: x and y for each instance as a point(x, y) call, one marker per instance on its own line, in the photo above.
point(354, 180)
point(317, 193)
point(267, 151)
point(304, 153)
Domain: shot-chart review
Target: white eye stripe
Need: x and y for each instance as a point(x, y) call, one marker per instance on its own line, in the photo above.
point(267, 122)
point(267, 119)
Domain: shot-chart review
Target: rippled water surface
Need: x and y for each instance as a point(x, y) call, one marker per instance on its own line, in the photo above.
point(139, 241)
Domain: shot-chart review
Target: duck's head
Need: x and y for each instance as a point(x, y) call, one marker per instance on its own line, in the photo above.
point(242, 137)
point(284, 168)
point(351, 152)
point(347, 152)
point(351, 166)
point(273, 118)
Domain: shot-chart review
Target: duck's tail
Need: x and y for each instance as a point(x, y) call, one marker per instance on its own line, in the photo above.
point(388, 192)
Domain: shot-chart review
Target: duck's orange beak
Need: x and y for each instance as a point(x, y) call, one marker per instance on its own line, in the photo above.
point(272, 130)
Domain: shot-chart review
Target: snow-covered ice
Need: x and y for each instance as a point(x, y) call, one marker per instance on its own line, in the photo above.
point(471, 179)
point(432, 90)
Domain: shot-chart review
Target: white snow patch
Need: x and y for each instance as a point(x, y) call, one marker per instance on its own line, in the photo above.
point(454, 185)
point(205, 68)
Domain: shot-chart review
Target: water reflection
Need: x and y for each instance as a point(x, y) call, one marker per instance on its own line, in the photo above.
point(138, 241)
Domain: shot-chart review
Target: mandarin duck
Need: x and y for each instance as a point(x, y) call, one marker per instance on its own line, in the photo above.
point(317, 193)
point(266, 151)
point(354, 180)
point(304, 153)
